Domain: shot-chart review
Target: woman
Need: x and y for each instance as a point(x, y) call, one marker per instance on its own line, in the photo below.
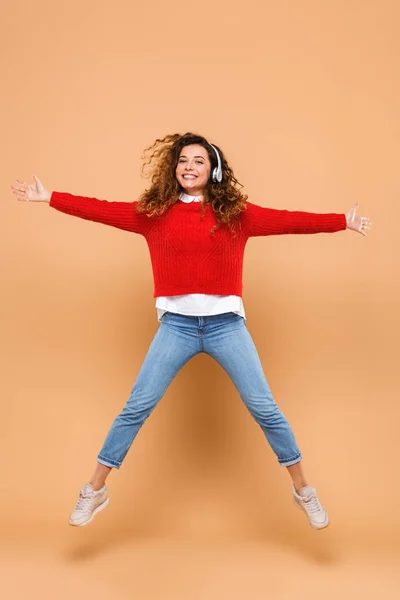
point(196, 222)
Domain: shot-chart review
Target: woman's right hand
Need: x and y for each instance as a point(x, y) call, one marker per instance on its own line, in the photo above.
point(35, 192)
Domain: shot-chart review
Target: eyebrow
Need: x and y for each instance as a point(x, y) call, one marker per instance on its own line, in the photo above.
point(184, 156)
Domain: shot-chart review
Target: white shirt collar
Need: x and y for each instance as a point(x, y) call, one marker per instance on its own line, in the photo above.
point(187, 198)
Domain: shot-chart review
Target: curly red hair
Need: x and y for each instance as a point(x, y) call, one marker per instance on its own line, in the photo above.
point(161, 159)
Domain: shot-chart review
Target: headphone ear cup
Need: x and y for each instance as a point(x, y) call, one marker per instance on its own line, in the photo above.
point(217, 171)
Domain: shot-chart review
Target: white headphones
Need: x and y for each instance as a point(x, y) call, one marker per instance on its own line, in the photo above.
point(217, 172)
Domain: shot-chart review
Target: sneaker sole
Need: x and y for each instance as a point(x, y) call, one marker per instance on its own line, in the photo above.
point(98, 509)
point(317, 527)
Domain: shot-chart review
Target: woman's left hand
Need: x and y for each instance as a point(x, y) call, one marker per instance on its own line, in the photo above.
point(360, 224)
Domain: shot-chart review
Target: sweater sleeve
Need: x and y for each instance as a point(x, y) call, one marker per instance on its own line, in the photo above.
point(122, 215)
point(259, 220)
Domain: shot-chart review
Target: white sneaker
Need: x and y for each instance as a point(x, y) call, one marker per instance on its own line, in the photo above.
point(308, 501)
point(89, 503)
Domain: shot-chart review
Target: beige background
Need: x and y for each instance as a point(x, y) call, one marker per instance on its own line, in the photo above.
point(303, 97)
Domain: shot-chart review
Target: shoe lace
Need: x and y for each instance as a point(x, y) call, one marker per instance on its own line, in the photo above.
point(312, 504)
point(84, 497)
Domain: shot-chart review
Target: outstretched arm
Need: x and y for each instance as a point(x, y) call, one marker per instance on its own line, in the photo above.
point(259, 220)
point(122, 215)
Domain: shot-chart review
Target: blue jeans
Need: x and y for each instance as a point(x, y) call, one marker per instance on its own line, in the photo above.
point(226, 338)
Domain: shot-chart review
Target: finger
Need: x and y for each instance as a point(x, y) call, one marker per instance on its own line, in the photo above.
point(352, 212)
point(39, 185)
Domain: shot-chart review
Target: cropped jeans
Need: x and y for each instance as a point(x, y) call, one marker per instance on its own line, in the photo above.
point(179, 338)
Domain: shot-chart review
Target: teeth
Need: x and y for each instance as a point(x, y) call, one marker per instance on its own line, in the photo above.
point(189, 177)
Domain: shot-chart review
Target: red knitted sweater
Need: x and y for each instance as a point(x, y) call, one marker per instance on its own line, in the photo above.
point(185, 257)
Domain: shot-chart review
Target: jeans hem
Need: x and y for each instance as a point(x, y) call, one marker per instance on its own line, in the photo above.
point(288, 462)
point(108, 463)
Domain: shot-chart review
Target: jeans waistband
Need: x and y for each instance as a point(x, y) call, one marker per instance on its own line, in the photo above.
point(199, 319)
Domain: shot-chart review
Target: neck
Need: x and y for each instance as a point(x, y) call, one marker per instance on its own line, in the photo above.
point(194, 192)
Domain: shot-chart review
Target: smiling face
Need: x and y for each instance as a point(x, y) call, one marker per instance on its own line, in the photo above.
point(193, 169)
